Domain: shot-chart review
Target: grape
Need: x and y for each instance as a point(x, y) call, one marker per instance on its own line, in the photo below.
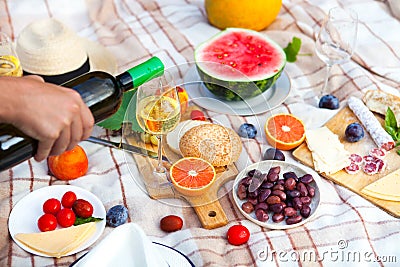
point(247, 130)
point(272, 153)
point(329, 102)
point(354, 132)
point(117, 215)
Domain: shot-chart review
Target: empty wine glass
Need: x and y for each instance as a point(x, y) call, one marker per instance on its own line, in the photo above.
point(9, 62)
point(336, 39)
point(158, 112)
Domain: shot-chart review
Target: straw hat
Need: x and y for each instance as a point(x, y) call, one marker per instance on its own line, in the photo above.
point(50, 49)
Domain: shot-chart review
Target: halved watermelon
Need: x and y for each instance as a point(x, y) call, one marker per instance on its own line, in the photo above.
point(238, 64)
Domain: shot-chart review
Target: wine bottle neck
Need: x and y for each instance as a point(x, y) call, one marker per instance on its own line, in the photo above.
point(140, 74)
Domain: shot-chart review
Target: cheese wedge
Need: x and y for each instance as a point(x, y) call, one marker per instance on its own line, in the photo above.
point(387, 188)
point(328, 153)
point(59, 242)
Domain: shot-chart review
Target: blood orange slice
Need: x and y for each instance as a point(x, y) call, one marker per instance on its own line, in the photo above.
point(284, 131)
point(192, 176)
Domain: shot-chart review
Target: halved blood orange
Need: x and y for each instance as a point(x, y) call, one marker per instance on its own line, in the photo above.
point(192, 176)
point(284, 131)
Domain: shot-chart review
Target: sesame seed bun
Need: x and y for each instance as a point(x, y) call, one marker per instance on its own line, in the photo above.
point(218, 145)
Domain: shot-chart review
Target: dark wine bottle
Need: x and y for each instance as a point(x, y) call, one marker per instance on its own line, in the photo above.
point(102, 93)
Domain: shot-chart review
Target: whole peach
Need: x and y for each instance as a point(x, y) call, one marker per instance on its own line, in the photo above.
point(69, 165)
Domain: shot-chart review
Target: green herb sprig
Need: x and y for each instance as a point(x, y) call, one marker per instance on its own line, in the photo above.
point(391, 127)
point(292, 50)
point(80, 220)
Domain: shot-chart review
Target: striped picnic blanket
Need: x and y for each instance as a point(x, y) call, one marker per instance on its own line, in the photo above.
point(347, 231)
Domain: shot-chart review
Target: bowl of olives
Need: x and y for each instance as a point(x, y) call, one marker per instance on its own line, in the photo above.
point(277, 194)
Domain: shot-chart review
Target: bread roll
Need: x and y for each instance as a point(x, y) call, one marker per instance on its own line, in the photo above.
point(378, 101)
point(218, 145)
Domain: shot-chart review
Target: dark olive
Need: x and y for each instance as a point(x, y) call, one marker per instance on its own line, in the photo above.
point(305, 211)
point(262, 215)
point(278, 217)
point(294, 219)
point(287, 175)
point(247, 207)
point(242, 192)
point(272, 153)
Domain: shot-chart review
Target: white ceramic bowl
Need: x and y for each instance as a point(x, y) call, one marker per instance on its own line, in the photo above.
point(264, 166)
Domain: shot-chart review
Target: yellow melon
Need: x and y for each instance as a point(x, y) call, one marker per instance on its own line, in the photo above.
point(255, 14)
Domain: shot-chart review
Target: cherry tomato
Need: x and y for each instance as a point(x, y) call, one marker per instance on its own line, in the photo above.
point(68, 199)
point(66, 217)
point(51, 206)
point(47, 222)
point(82, 208)
point(197, 115)
point(238, 235)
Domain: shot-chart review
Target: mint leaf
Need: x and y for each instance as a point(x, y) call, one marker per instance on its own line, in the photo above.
point(117, 119)
point(390, 119)
point(80, 220)
point(292, 49)
point(391, 125)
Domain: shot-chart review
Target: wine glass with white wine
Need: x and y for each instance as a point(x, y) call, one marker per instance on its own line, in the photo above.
point(336, 40)
point(158, 112)
point(9, 63)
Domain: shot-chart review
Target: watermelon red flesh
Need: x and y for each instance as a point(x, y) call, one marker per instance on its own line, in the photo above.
point(249, 54)
point(238, 64)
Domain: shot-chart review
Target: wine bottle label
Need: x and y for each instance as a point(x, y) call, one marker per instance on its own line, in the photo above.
point(7, 141)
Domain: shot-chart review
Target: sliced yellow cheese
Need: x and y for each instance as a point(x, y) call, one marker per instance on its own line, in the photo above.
point(328, 153)
point(59, 242)
point(387, 188)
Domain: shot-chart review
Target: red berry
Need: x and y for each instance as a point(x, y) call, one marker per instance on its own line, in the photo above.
point(238, 235)
point(197, 115)
point(68, 199)
point(47, 222)
point(51, 206)
point(66, 217)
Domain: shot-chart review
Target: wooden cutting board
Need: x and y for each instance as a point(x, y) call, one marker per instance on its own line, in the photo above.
point(355, 182)
point(207, 206)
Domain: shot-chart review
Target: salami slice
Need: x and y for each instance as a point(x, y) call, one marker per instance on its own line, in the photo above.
point(381, 138)
point(370, 168)
point(377, 153)
point(369, 158)
point(381, 165)
point(353, 168)
point(356, 159)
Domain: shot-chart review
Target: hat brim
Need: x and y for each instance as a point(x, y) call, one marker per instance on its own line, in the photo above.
point(99, 57)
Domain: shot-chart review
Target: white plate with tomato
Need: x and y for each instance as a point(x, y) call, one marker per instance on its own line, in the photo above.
point(26, 213)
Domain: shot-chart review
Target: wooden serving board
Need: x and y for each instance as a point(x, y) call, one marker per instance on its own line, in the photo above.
point(207, 206)
point(355, 182)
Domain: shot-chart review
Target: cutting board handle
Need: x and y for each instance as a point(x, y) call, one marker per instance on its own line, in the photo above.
point(211, 215)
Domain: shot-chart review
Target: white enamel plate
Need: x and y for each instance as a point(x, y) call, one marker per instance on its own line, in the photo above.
point(25, 214)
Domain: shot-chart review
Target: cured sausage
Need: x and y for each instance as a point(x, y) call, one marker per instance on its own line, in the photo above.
point(377, 153)
point(370, 168)
point(353, 168)
point(356, 159)
point(371, 123)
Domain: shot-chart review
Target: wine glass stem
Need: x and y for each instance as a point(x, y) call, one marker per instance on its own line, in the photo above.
point(160, 168)
point(327, 74)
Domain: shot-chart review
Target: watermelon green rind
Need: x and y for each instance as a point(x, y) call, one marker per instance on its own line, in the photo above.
point(229, 83)
point(237, 90)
